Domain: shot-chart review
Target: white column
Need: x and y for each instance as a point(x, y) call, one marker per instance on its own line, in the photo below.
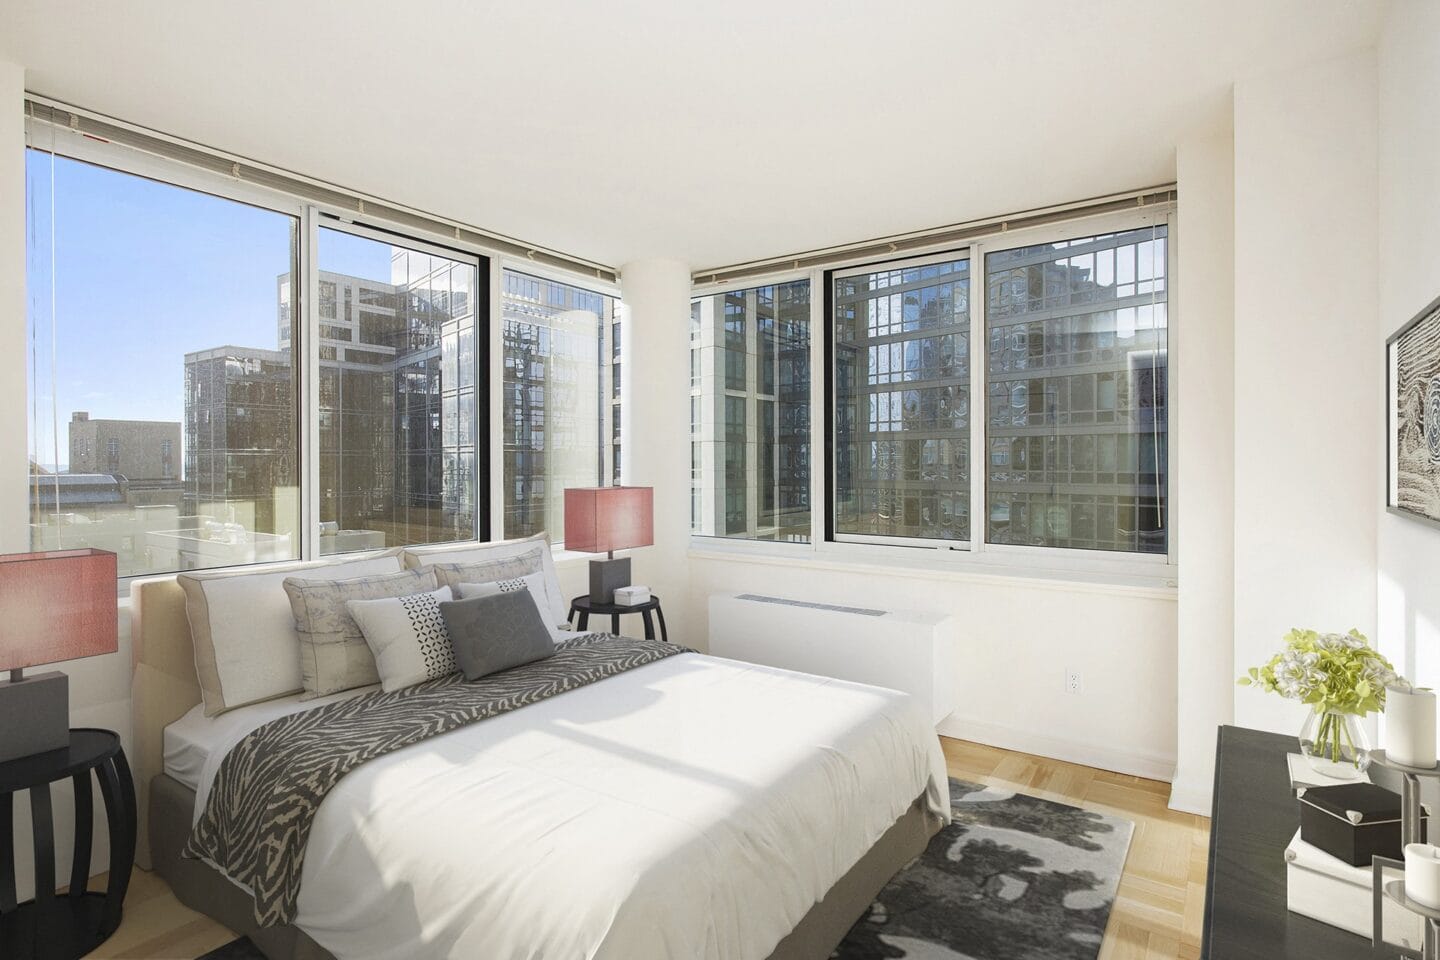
point(1204, 435)
point(655, 443)
point(1308, 373)
point(14, 463)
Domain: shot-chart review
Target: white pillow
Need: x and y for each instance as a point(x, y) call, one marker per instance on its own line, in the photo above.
point(420, 557)
point(407, 636)
point(533, 584)
point(243, 630)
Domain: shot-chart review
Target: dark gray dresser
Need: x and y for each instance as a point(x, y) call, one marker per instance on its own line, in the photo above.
point(1254, 815)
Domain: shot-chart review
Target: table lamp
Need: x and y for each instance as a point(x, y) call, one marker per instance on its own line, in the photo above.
point(606, 519)
point(54, 606)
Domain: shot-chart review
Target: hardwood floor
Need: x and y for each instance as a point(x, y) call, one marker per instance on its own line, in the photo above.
point(1157, 914)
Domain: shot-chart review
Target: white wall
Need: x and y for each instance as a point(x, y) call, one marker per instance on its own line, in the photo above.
point(1307, 371)
point(655, 439)
point(1018, 639)
point(1409, 277)
point(1204, 432)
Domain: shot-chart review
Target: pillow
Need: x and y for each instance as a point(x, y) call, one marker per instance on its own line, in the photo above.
point(496, 632)
point(244, 632)
point(451, 574)
point(333, 653)
point(533, 585)
point(417, 557)
point(407, 636)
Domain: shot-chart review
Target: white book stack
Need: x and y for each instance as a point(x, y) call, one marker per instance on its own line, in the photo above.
point(1328, 889)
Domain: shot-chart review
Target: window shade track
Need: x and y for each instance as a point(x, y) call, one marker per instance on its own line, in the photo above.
point(890, 248)
point(333, 198)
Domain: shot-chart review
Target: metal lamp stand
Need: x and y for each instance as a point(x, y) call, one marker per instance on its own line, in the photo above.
point(1412, 830)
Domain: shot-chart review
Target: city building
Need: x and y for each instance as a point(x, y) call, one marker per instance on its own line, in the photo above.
point(750, 413)
point(562, 421)
point(135, 449)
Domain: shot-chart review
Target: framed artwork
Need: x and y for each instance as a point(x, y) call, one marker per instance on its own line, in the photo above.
point(1412, 433)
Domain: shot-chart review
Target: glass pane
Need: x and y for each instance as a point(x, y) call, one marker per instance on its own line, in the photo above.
point(560, 414)
point(397, 395)
point(165, 427)
point(1077, 412)
point(902, 402)
point(750, 413)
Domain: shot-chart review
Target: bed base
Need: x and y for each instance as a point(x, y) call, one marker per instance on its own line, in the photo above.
point(201, 887)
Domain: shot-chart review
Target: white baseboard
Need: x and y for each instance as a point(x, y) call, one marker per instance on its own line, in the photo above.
point(1191, 795)
point(1151, 766)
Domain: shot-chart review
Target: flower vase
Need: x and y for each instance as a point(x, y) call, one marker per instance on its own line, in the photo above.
point(1335, 744)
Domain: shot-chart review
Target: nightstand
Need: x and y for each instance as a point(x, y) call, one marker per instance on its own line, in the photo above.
point(584, 606)
point(69, 925)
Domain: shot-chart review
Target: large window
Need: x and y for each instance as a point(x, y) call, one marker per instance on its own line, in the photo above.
point(561, 416)
point(397, 394)
point(750, 413)
point(174, 342)
point(902, 402)
point(1076, 362)
point(169, 334)
point(1005, 399)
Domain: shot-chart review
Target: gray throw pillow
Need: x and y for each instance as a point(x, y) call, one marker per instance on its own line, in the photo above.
point(495, 633)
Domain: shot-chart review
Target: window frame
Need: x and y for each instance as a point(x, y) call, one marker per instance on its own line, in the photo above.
point(496, 342)
point(975, 556)
point(120, 158)
point(831, 276)
point(309, 386)
point(817, 312)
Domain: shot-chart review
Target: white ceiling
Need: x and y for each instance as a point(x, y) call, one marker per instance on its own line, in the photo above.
point(710, 132)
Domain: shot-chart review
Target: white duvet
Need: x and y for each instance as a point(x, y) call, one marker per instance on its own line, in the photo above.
point(691, 808)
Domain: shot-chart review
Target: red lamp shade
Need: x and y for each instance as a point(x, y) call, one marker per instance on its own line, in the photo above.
point(602, 519)
point(58, 605)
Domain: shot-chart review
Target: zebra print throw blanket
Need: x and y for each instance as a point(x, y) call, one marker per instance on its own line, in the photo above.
point(258, 816)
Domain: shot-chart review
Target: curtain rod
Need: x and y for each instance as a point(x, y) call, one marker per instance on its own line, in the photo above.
point(888, 247)
point(85, 123)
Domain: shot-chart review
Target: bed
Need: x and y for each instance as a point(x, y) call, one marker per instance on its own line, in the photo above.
point(691, 807)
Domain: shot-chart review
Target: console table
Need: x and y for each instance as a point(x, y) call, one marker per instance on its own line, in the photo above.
point(1253, 816)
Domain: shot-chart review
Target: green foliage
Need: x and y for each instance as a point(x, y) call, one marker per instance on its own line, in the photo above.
point(1337, 672)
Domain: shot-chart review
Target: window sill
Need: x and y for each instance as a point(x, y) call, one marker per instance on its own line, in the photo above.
point(1154, 580)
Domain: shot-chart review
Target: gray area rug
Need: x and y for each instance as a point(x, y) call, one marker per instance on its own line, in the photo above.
point(1013, 878)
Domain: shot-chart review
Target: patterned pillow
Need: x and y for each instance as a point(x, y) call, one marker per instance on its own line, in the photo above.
point(407, 636)
point(333, 653)
point(532, 583)
point(488, 571)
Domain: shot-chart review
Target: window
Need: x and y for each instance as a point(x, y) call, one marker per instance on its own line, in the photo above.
point(133, 259)
point(1076, 387)
point(902, 402)
point(750, 413)
point(557, 432)
point(397, 394)
point(1075, 391)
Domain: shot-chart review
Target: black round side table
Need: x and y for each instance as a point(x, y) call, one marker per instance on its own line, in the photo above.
point(51, 927)
point(584, 606)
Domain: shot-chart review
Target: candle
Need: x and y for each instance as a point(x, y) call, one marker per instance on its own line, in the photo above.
point(1422, 874)
point(1410, 727)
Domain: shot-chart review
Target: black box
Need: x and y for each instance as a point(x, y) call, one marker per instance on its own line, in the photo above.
point(1353, 822)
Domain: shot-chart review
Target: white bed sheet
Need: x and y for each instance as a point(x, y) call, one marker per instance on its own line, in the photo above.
point(691, 808)
point(189, 741)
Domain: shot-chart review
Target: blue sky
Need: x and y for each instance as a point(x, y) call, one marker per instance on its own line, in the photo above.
point(143, 273)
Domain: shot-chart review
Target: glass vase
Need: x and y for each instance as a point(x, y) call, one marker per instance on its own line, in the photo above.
point(1335, 744)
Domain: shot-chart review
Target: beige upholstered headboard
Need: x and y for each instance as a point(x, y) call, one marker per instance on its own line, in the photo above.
point(163, 688)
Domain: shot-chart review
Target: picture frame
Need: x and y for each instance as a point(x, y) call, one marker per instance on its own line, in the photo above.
point(1412, 420)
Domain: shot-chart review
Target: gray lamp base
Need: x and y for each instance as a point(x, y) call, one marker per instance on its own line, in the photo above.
point(34, 715)
point(605, 576)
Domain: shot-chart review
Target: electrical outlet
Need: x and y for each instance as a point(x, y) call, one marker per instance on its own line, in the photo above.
point(1072, 681)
